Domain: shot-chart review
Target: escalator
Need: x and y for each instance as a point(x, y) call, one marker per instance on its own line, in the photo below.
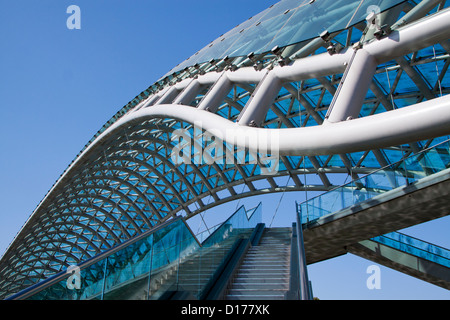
point(408, 255)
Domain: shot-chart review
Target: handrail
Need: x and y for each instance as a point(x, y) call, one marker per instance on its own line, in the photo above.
point(62, 275)
point(294, 277)
point(231, 217)
point(218, 283)
point(381, 169)
point(305, 293)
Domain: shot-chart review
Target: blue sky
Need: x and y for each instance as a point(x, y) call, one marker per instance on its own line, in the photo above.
point(59, 86)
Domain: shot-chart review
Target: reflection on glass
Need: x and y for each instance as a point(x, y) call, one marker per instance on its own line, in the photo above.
point(287, 22)
point(415, 247)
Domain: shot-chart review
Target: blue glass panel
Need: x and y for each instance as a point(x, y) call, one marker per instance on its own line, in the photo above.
point(366, 6)
point(415, 247)
point(309, 21)
point(258, 38)
point(287, 22)
point(136, 270)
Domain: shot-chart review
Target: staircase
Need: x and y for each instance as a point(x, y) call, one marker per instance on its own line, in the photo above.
point(265, 271)
point(193, 271)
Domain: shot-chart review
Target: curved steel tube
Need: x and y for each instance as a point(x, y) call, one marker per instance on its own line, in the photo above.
point(418, 122)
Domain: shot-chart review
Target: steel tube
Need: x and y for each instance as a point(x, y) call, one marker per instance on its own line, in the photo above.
point(354, 86)
point(217, 93)
point(418, 122)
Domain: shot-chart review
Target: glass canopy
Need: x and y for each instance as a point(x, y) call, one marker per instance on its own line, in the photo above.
point(285, 23)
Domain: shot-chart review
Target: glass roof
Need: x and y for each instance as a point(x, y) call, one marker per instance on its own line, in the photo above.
point(285, 23)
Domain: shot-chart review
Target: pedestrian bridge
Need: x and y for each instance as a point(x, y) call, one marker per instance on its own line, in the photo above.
point(363, 216)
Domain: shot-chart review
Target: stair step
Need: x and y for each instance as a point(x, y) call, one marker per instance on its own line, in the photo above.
point(255, 297)
point(259, 286)
point(265, 270)
point(252, 267)
point(259, 279)
point(265, 264)
point(262, 291)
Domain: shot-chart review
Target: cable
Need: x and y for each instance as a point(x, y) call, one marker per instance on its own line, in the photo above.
point(279, 201)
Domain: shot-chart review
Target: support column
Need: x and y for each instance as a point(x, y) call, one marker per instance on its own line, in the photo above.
point(352, 91)
point(305, 289)
point(217, 93)
point(149, 101)
point(419, 11)
point(263, 97)
point(189, 93)
point(168, 96)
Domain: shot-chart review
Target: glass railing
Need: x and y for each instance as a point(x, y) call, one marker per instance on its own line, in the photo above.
point(402, 173)
point(170, 258)
point(140, 271)
point(128, 271)
point(240, 222)
point(415, 247)
point(198, 270)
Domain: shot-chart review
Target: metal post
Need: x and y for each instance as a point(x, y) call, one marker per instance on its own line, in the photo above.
point(189, 93)
point(168, 96)
point(419, 11)
point(215, 96)
point(305, 293)
point(353, 89)
point(260, 102)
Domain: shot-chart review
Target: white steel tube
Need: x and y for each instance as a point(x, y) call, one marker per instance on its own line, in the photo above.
point(261, 100)
point(217, 93)
point(354, 86)
point(418, 122)
point(188, 94)
point(411, 38)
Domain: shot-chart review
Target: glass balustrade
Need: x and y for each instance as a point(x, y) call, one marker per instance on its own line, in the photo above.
point(166, 260)
point(198, 269)
point(415, 247)
point(399, 174)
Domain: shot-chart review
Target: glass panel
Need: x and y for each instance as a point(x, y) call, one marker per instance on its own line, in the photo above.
point(367, 6)
point(258, 38)
point(415, 247)
point(125, 267)
point(285, 23)
point(168, 259)
point(401, 173)
point(309, 21)
point(90, 286)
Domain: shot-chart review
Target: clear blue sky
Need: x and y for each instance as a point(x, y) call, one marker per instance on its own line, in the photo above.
point(59, 86)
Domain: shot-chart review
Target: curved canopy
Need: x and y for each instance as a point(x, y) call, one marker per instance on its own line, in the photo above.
point(287, 23)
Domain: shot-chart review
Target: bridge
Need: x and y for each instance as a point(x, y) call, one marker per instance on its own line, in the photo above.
point(359, 92)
